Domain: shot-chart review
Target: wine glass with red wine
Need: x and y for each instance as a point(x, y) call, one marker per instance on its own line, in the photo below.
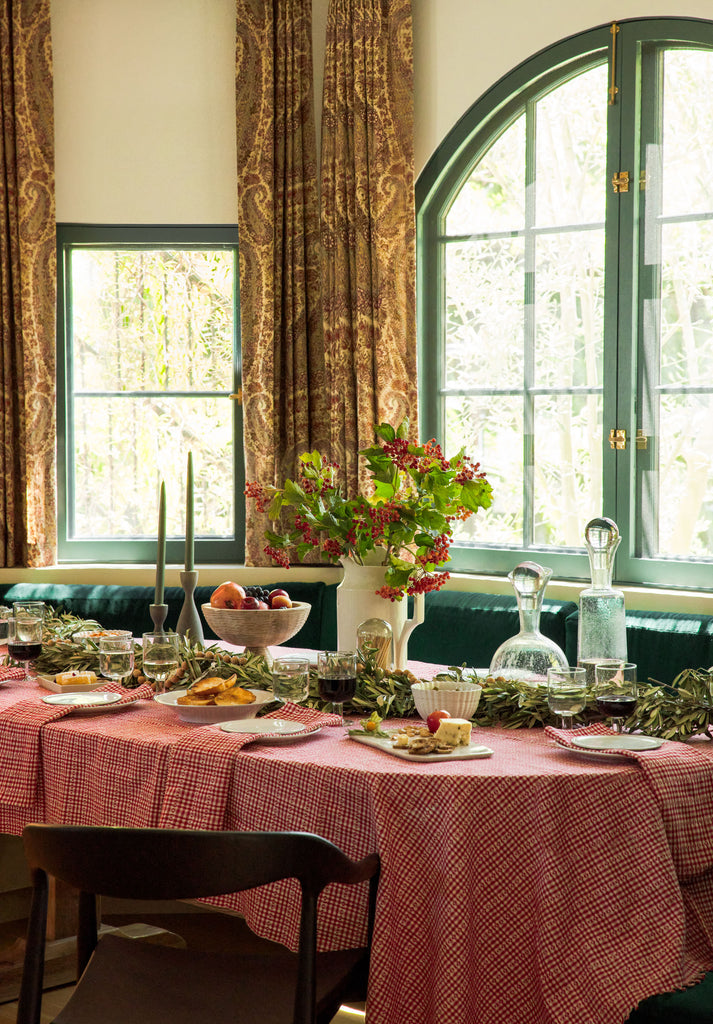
point(615, 691)
point(24, 640)
point(336, 678)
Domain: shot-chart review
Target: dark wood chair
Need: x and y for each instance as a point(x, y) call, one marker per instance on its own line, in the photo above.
point(123, 980)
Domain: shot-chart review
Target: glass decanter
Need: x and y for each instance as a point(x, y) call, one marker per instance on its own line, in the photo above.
point(602, 618)
point(528, 655)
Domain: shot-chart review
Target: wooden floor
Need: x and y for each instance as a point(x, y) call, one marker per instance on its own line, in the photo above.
point(211, 932)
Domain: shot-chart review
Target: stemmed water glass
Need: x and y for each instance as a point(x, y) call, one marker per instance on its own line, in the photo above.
point(615, 690)
point(116, 656)
point(160, 657)
point(336, 678)
point(566, 693)
point(24, 640)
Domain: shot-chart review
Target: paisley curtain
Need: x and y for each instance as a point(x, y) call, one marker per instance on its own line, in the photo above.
point(283, 382)
point(27, 286)
point(368, 223)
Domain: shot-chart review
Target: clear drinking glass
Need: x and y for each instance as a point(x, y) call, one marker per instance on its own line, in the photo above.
point(160, 657)
point(615, 690)
point(566, 693)
point(336, 678)
point(290, 679)
point(24, 640)
point(116, 656)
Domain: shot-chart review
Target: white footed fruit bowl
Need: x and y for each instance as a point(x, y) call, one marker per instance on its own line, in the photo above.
point(459, 699)
point(257, 629)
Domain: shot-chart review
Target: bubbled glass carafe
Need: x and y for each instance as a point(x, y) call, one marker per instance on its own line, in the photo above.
point(602, 618)
point(528, 655)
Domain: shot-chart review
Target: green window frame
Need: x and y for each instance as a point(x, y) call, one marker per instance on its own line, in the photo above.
point(632, 390)
point(230, 545)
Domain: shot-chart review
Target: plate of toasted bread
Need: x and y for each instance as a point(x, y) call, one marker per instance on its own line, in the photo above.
point(214, 699)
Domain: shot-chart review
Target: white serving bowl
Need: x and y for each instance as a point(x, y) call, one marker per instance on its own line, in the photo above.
point(459, 699)
point(256, 629)
point(209, 714)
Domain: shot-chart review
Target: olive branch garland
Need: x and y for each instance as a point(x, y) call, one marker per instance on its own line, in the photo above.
point(673, 712)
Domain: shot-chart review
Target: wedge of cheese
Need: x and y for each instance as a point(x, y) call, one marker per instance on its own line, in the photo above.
point(454, 731)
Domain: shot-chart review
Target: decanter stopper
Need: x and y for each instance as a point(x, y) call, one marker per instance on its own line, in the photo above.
point(528, 655)
point(602, 617)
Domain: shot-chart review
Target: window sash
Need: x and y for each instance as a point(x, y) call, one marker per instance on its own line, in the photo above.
point(623, 471)
point(73, 237)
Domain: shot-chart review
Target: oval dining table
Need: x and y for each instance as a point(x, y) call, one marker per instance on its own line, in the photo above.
point(536, 885)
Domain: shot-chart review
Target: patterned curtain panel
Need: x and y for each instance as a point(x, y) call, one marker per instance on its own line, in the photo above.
point(27, 286)
point(284, 393)
point(368, 223)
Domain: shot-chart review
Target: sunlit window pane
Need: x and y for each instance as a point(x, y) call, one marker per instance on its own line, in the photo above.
point(568, 466)
point(569, 309)
point(151, 352)
point(484, 316)
point(492, 427)
point(493, 197)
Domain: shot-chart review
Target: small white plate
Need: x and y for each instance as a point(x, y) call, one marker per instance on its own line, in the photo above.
point(84, 703)
point(269, 730)
point(612, 744)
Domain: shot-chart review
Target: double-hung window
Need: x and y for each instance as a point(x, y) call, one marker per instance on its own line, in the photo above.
point(149, 370)
point(565, 253)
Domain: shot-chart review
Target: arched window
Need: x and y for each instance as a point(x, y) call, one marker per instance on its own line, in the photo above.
point(565, 231)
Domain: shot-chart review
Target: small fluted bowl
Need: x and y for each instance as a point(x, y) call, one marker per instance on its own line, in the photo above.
point(256, 629)
point(459, 699)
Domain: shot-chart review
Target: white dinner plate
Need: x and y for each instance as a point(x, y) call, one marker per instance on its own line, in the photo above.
point(612, 744)
point(383, 743)
point(86, 703)
point(269, 730)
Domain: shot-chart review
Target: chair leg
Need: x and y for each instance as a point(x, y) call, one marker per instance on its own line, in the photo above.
point(30, 1001)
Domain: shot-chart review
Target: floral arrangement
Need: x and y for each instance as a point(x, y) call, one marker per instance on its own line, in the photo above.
point(415, 495)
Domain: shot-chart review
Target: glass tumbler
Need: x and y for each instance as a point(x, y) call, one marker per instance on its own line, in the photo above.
point(290, 679)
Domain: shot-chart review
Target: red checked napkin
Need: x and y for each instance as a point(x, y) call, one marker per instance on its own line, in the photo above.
point(681, 779)
point(11, 673)
point(201, 766)
point(20, 741)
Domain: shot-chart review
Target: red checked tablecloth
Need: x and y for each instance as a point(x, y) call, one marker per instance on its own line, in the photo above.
point(536, 886)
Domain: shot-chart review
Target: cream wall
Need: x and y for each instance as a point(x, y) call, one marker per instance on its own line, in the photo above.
point(145, 111)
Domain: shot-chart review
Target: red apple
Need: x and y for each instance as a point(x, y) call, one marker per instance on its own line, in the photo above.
point(250, 604)
point(263, 604)
point(434, 719)
point(276, 599)
point(228, 595)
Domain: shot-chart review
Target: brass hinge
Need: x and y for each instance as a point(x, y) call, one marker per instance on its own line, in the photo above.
point(642, 441)
point(238, 396)
point(643, 181)
point(620, 181)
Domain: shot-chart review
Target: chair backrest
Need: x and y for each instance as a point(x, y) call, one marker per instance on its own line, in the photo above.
point(156, 863)
point(159, 864)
